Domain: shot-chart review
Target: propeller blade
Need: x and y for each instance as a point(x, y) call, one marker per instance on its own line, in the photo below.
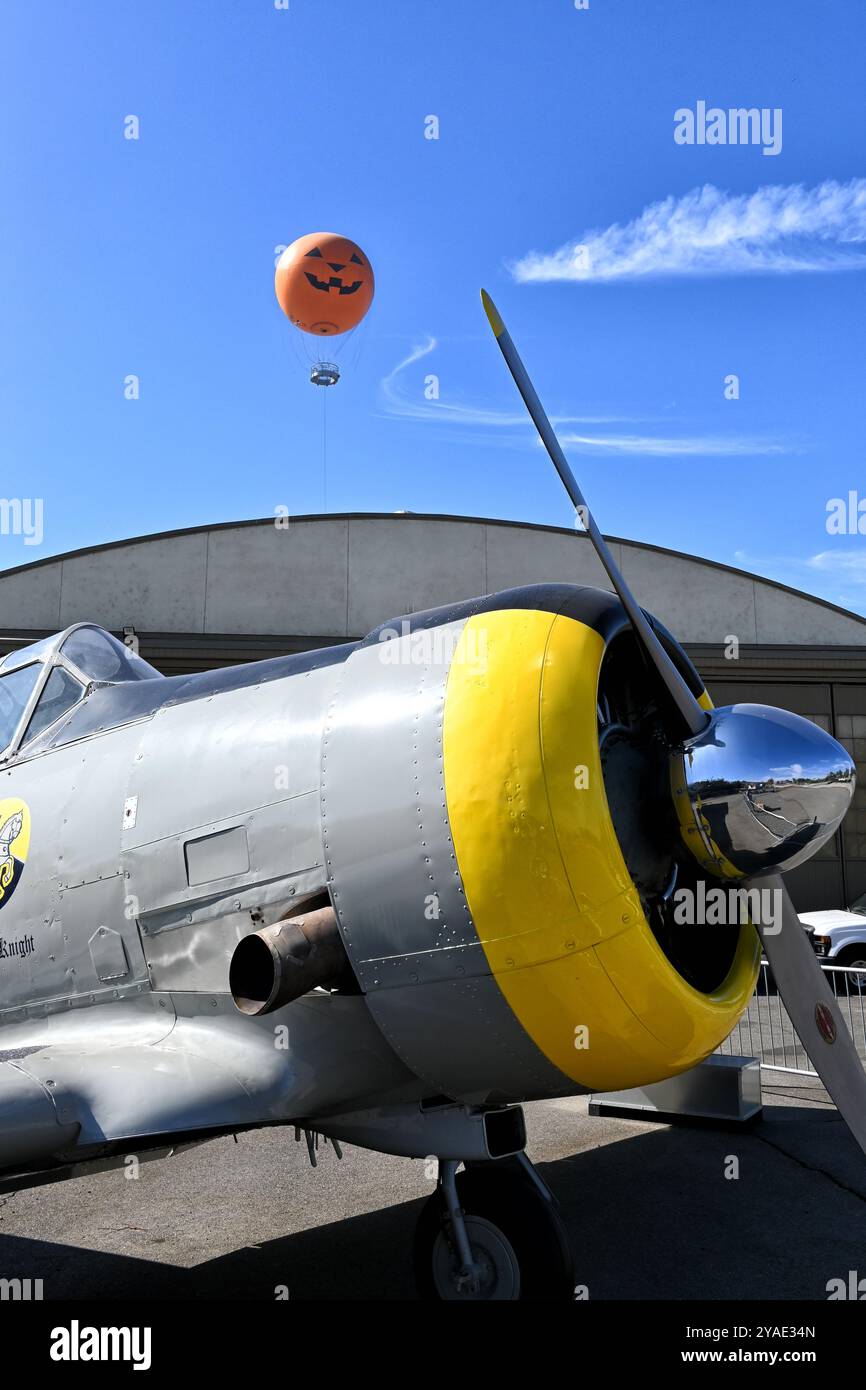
point(694, 718)
point(815, 1013)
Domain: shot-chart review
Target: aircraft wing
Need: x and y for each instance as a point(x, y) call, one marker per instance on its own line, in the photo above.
point(97, 1082)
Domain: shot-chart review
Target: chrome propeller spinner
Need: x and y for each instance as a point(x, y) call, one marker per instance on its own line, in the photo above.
point(763, 790)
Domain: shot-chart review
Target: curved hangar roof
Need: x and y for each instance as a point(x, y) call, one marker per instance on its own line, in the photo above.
point(328, 578)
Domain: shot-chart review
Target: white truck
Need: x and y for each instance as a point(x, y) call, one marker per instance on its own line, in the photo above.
point(838, 937)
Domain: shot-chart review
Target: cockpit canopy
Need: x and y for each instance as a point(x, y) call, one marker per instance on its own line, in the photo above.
point(41, 683)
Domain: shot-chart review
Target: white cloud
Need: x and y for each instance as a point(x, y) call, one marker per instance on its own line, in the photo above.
point(777, 229)
point(685, 447)
point(397, 403)
point(456, 413)
point(847, 564)
point(420, 408)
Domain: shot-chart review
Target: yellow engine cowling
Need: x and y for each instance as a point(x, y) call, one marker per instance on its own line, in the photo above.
point(554, 905)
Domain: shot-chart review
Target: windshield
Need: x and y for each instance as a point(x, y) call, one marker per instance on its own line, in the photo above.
point(101, 657)
point(16, 687)
point(27, 654)
point(61, 692)
point(859, 905)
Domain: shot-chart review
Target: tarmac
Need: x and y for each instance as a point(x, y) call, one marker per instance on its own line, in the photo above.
point(653, 1212)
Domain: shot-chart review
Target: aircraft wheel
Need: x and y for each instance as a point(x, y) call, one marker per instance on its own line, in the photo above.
point(517, 1237)
point(854, 958)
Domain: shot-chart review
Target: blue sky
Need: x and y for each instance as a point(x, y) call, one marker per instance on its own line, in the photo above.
point(155, 257)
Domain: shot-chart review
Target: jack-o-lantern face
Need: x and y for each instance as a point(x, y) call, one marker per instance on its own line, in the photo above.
point(324, 283)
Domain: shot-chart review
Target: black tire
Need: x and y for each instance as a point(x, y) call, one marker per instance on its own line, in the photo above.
point(852, 955)
point(511, 1226)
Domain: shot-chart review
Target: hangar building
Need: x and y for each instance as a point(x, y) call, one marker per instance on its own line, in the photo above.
point(217, 595)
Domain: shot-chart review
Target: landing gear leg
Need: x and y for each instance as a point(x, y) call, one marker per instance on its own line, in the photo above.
point(469, 1279)
point(492, 1231)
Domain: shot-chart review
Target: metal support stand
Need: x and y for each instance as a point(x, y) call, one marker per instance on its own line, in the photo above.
point(726, 1090)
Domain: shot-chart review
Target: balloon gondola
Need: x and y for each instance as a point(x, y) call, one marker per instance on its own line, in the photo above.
point(324, 374)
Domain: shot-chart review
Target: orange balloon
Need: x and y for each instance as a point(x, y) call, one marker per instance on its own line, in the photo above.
point(324, 283)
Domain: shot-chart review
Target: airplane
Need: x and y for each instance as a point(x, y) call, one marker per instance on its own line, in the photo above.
point(389, 891)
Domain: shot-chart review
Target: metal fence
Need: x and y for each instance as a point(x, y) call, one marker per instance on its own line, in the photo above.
point(765, 1031)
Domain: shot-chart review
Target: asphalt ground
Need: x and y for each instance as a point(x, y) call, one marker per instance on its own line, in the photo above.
point(650, 1212)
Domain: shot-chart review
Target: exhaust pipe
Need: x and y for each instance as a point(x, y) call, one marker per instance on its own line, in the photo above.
point(273, 966)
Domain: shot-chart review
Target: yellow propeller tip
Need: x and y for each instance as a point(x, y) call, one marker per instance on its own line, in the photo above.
point(492, 313)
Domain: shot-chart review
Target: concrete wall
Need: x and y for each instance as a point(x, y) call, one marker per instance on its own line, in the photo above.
point(340, 576)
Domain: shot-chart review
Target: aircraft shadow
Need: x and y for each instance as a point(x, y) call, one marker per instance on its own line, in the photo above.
point(655, 1217)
